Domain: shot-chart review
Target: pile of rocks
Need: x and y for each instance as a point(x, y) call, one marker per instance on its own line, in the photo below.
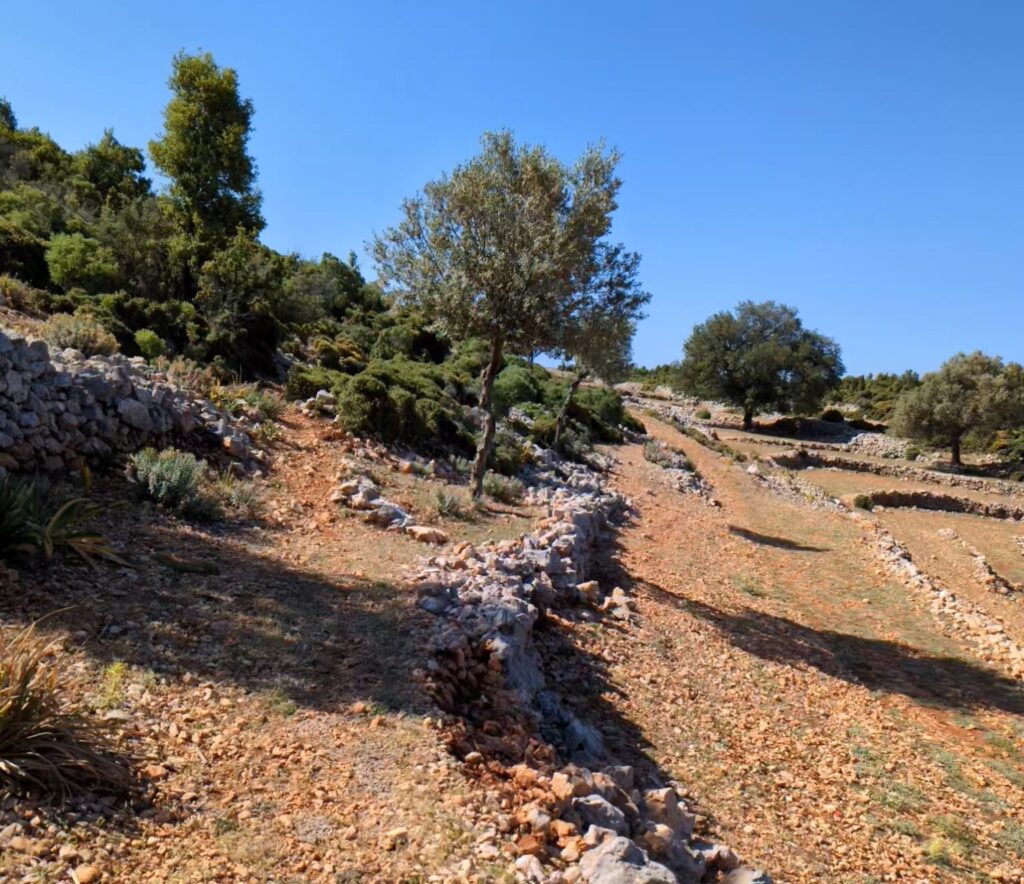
point(58, 411)
point(877, 445)
point(678, 470)
point(589, 819)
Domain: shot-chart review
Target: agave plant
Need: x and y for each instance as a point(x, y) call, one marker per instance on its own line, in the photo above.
point(45, 747)
point(30, 523)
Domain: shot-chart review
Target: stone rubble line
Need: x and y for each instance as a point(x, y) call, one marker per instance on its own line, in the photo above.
point(875, 444)
point(60, 410)
point(962, 615)
point(487, 602)
point(803, 458)
point(683, 478)
point(986, 574)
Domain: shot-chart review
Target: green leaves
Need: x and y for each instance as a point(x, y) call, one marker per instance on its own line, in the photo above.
point(760, 357)
point(30, 524)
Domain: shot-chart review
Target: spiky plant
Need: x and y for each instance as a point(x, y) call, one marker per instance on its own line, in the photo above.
point(46, 747)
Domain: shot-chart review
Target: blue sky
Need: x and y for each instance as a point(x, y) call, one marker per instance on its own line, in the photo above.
point(862, 161)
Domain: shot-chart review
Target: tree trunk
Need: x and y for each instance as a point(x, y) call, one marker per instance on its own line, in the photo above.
point(563, 412)
point(748, 419)
point(954, 444)
point(483, 449)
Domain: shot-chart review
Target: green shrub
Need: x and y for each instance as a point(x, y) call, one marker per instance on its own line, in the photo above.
point(171, 478)
point(514, 385)
point(449, 506)
point(45, 747)
point(75, 260)
point(78, 332)
point(704, 415)
point(833, 416)
point(305, 381)
point(912, 452)
point(150, 344)
point(507, 455)
point(503, 489)
point(864, 502)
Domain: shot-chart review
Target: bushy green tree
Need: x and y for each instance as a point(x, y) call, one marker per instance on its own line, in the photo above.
point(498, 248)
point(77, 261)
point(114, 170)
point(238, 288)
point(760, 358)
point(204, 152)
point(970, 393)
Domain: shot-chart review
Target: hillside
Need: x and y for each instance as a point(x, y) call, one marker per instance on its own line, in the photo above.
point(270, 677)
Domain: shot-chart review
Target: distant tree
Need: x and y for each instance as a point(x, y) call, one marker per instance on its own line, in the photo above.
point(7, 118)
point(204, 152)
point(969, 393)
point(597, 337)
point(77, 261)
point(114, 170)
point(760, 358)
point(499, 249)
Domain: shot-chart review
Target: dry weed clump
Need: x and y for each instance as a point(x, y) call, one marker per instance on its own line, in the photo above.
point(46, 747)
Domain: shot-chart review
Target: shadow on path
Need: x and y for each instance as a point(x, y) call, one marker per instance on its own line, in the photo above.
point(777, 542)
point(876, 664)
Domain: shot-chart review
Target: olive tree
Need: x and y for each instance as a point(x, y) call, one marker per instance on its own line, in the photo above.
point(498, 250)
point(597, 336)
point(969, 393)
point(760, 358)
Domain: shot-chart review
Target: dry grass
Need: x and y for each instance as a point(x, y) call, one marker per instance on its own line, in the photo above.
point(47, 748)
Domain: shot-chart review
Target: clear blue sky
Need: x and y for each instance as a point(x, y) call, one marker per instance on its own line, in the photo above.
point(863, 161)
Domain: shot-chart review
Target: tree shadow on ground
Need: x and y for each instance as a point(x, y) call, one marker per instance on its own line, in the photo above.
point(879, 665)
point(321, 641)
point(770, 540)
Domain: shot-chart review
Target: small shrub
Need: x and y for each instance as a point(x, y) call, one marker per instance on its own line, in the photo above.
point(240, 495)
point(449, 506)
point(503, 489)
point(507, 455)
point(304, 381)
point(46, 747)
point(864, 502)
point(913, 452)
point(171, 478)
point(198, 380)
point(833, 416)
point(657, 452)
point(79, 332)
point(704, 415)
point(150, 344)
point(236, 399)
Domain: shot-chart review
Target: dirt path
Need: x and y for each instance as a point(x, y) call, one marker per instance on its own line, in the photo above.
point(819, 716)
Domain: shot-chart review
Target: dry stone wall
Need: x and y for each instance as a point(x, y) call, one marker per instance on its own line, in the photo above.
point(598, 821)
point(60, 410)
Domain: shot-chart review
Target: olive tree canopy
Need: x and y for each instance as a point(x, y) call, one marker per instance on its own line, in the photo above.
point(969, 393)
point(760, 358)
point(500, 249)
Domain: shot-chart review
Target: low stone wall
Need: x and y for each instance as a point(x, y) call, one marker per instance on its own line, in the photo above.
point(58, 411)
point(591, 817)
point(947, 503)
point(802, 458)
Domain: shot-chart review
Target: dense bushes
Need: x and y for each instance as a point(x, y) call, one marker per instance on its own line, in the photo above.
point(170, 478)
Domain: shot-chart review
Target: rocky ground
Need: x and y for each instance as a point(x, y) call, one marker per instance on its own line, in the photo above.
point(268, 678)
